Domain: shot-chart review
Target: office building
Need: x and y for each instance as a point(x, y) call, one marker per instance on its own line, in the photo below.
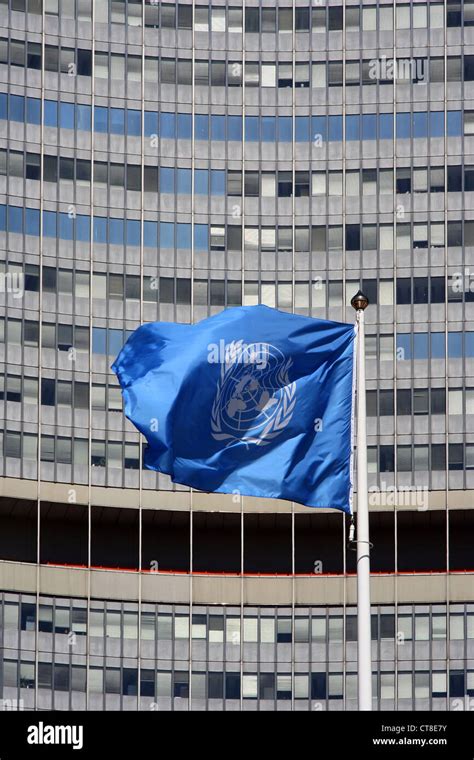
point(164, 161)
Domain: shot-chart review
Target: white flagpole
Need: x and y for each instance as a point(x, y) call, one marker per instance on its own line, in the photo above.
point(364, 653)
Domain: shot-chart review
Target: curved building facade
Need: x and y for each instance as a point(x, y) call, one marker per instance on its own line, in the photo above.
point(164, 161)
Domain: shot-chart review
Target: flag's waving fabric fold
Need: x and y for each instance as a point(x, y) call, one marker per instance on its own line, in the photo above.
point(252, 401)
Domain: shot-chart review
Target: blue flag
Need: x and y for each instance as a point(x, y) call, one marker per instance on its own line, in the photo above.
point(252, 401)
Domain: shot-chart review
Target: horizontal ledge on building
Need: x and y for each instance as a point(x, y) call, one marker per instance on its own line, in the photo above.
point(180, 588)
point(70, 493)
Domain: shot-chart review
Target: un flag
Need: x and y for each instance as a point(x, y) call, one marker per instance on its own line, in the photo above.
point(252, 400)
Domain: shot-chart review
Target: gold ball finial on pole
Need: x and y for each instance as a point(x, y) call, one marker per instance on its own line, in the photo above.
point(359, 301)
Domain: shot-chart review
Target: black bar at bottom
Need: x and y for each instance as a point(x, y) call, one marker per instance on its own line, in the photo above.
point(313, 734)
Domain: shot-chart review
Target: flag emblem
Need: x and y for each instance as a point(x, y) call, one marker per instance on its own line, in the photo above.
point(255, 398)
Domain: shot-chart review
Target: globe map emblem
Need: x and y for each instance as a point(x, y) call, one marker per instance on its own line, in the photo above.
point(255, 398)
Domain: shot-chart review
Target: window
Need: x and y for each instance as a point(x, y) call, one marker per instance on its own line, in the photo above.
point(12, 445)
point(61, 677)
point(352, 237)
point(112, 681)
point(438, 401)
point(284, 630)
point(404, 458)
point(405, 685)
point(199, 627)
point(387, 626)
point(335, 686)
point(301, 75)
point(218, 74)
point(455, 401)
point(217, 238)
point(113, 624)
point(163, 684)
point(318, 686)
point(79, 621)
point(351, 628)
point(33, 166)
point(369, 238)
point(386, 402)
point(457, 686)
point(130, 681)
point(201, 19)
point(371, 403)
point(421, 456)
point(268, 75)
point(422, 685)
point(386, 459)
point(181, 684)
point(385, 347)
point(335, 629)
point(133, 177)
point(216, 628)
point(45, 621)
point(27, 675)
point(456, 627)
point(470, 625)
point(283, 686)
point(268, 184)
point(252, 184)
point(267, 686)
point(168, 16)
point(318, 183)
point(385, 295)
point(285, 185)
point(249, 686)
point(387, 685)
point(420, 401)
point(335, 74)
point(437, 290)
point(456, 456)
point(403, 181)
point(10, 673)
point(301, 184)
point(353, 72)
point(10, 615)
point(439, 684)
point(422, 632)
point(420, 236)
point(164, 628)
point(45, 675)
point(184, 17)
point(438, 456)
point(369, 181)
point(232, 686)
point(438, 624)
point(130, 625)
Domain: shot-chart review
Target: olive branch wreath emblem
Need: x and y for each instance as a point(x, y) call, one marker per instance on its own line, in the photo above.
point(274, 426)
